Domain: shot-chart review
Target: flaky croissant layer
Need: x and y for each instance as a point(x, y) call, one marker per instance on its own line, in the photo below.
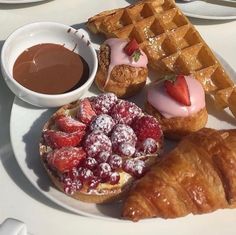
point(198, 176)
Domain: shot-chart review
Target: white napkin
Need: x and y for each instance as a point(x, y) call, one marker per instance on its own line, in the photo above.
point(13, 227)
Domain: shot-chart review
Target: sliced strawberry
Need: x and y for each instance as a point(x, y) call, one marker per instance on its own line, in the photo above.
point(132, 49)
point(66, 158)
point(85, 112)
point(59, 139)
point(177, 88)
point(69, 124)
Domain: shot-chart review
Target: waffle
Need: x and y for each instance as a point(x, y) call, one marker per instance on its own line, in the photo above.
point(170, 41)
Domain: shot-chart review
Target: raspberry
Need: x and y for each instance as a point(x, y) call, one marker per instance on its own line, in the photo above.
point(125, 112)
point(103, 157)
point(147, 127)
point(115, 161)
point(69, 124)
point(85, 113)
point(122, 133)
point(94, 182)
point(59, 139)
point(135, 167)
point(148, 146)
point(97, 142)
point(71, 186)
point(126, 149)
point(103, 171)
point(103, 103)
point(90, 163)
point(114, 178)
point(85, 174)
point(103, 123)
point(66, 158)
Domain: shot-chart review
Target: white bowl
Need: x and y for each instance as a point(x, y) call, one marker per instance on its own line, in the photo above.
point(46, 32)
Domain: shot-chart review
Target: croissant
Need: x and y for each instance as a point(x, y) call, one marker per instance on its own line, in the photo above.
point(198, 176)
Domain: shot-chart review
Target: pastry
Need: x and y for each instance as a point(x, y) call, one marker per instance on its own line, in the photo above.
point(93, 149)
point(198, 176)
point(170, 41)
point(122, 67)
point(178, 103)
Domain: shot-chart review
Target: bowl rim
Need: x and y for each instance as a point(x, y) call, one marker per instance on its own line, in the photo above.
point(80, 33)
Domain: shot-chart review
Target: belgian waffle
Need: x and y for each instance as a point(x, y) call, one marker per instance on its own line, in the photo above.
point(171, 42)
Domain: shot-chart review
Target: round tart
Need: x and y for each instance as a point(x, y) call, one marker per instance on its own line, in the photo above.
point(122, 67)
point(93, 149)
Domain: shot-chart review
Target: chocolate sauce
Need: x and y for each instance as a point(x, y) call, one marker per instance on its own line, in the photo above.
point(50, 69)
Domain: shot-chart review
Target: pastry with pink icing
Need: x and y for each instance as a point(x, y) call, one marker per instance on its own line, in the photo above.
point(178, 103)
point(122, 67)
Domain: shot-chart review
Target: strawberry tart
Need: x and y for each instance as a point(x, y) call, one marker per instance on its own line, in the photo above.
point(178, 103)
point(93, 149)
point(122, 67)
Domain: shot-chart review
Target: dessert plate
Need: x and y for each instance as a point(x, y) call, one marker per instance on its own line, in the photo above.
point(25, 129)
point(209, 10)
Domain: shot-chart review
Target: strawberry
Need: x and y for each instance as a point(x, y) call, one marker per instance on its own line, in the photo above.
point(66, 158)
point(69, 124)
point(85, 112)
point(132, 49)
point(177, 88)
point(59, 139)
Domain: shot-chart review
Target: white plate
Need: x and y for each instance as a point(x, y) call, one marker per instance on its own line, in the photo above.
point(207, 10)
point(25, 130)
point(20, 1)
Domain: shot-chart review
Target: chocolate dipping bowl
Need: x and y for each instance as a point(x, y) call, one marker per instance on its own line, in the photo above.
point(40, 33)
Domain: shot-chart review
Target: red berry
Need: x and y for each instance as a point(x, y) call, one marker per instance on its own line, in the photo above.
point(177, 88)
point(103, 123)
point(103, 103)
point(103, 156)
point(122, 133)
point(97, 142)
point(85, 174)
point(59, 139)
point(135, 167)
point(69, 124)
point(149, 146)
point(125, 112)
point(66, 158)
point(115, 161)
point(103, 171)
point(94, 182)
point(131, 47)
point(126, 149)
point(90, 163)
point(85, 113)
point(71, 186)
point(147, 127)
point(114, 178)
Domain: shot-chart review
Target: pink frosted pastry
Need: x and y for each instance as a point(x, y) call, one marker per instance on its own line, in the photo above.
point(178, 104)
point(122, 67)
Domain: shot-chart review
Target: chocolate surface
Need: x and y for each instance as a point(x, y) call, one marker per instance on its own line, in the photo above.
point(50, 69)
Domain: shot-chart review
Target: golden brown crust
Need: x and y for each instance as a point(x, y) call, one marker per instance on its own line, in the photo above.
point(189, 179)
point(124, 80)
point(178, 127)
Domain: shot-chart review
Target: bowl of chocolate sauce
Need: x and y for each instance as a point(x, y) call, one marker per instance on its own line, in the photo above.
point(48, 64)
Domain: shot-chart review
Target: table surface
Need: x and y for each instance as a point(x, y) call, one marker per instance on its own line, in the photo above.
point(18, 198)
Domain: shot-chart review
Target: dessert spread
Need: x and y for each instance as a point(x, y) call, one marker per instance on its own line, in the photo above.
point(169, 107)
point(50, 69)
point(94, 148)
